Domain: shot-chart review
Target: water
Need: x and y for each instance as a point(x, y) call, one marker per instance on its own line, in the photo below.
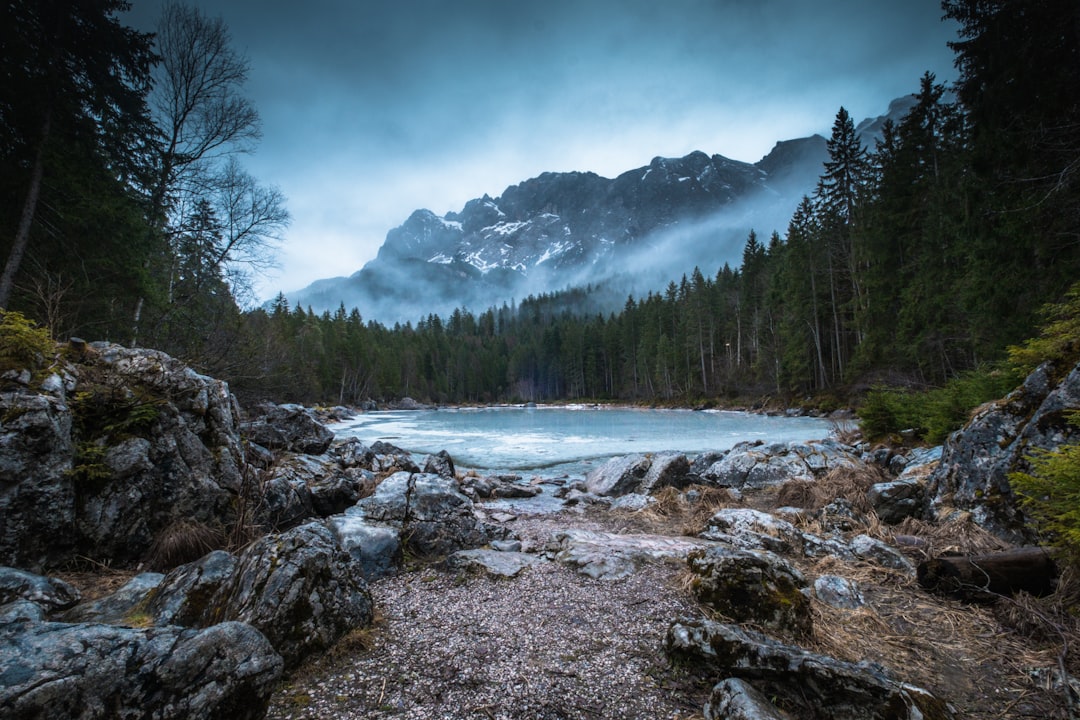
point(568, 441)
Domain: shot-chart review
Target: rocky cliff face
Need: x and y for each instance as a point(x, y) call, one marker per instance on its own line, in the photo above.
point(109, 450)
point(973, 475)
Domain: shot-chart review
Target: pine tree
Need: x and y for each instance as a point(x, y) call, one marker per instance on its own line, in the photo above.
point(837, 198)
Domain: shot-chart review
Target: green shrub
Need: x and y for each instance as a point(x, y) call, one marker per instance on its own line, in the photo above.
point(23, 345)
point(935, 413)
point(1050, 495)
point(1058, 340)
point(886, 411)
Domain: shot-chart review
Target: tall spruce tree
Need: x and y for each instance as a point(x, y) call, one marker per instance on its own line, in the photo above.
point(1019, 65)
point(73, 82)
point(837, 198)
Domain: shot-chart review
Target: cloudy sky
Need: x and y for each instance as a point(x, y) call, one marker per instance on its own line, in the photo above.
point(374, 108)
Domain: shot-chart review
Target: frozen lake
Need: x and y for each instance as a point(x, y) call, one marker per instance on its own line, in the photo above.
point(554, 441)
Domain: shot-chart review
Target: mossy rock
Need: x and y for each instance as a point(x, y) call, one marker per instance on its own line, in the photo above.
point(750, 586)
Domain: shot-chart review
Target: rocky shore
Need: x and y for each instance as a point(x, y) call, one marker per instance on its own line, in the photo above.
point(267, 568)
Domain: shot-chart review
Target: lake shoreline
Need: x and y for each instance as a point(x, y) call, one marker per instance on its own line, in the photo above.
point(767, 409)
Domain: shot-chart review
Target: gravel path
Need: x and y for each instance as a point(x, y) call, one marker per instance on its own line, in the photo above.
point(550, 643)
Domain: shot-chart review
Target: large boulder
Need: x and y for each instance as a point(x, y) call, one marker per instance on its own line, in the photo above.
point(756, 465)
point(375, 547)
point(37, 489)
point(433, 516)
point(976, 461)
point(102, 457)
point(118, 608)
point(288, 427)
point(608, 556)
point(751, 586)
point(299, 588)
point(299, 487)
point(618, 476)
point(99, 672)
point(381, 457)
point(751, 529)
point(183, 596)
point(823, 686)
point(642, 474)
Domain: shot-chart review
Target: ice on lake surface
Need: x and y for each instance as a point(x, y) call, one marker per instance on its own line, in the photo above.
point(556, 441)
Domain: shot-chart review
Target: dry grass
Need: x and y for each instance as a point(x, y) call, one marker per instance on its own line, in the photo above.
point(848, 483)
point(963, 653)
point(673, 514)
point(94, 579)
point(845, 431)
point(1053, 620)
point(959, 535)
point(183, 541)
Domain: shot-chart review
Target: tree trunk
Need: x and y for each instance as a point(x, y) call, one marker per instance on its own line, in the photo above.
point(983, 578)
point(22, 234)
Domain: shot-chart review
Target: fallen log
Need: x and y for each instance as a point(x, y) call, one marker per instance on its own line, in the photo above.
point(984, 578)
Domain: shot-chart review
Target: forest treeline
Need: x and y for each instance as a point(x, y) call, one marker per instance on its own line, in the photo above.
point(911, 263)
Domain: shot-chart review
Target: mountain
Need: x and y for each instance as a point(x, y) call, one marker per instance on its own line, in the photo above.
point(632, 233)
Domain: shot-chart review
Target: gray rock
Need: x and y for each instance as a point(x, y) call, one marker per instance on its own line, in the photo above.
point(751, 586)
point(606, 556)
point(735, 699)
point(105, 494)
point(183, 596)
point(21, 611)
point(895, 501)
point(288, 427)
point(748, 465)
point(897, 464)
point(51, 594)
point(838, 592)
point(492, 562)
point(976, 460)
point(37, 489)
point(305, 486)
point(506, 545)
point(666, 470)
point(390, 458)
point(498, 486)
point(877, 552)
point(841, 516)
point(824, 686)
point(299, 588)
point(196, 459)
point(376, 548)
point(753, 529)
point(96, 672)
point(435, 518)
point(755, 465)
point(284, 504)
point(350, 452)
point(701, 463)
point(634, 502)
point(115, 608)
point(618, 476)
point(440, 464)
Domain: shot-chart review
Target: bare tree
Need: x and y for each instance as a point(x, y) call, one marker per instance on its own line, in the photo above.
point(196, 103)
point(204, 121)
